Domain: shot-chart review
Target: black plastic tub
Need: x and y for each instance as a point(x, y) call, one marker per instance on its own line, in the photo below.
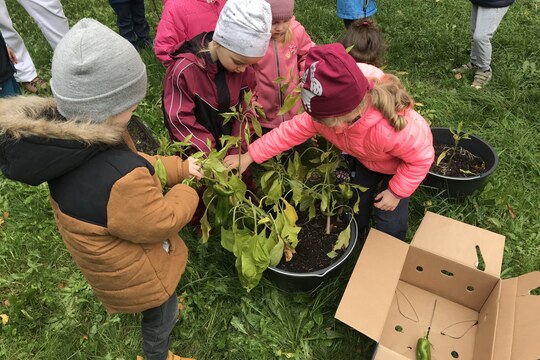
point(460, 187)
point(305, 282)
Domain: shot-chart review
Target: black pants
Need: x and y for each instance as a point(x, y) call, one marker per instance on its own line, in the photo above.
point(131, 19)
point(391, 222)
point(156, 325)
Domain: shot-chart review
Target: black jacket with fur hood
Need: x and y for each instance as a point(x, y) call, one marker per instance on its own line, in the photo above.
point(107, 200)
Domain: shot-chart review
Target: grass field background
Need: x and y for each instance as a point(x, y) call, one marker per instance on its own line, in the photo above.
point(53, 313)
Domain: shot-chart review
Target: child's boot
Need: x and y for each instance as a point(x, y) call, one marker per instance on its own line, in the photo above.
point(464, 68)
point(481, 78)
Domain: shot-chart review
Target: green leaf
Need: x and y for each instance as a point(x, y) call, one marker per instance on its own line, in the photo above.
point(227, 239)
point(287, 231)
point(161, 172)
point(277, 253)
point(289, 103)
point(342, 242)
point(441, 156)
point(257, 127)
point(275, 191)
point(205, 227)
point(248, 95)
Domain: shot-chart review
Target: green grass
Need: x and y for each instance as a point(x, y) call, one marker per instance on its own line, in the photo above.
point(53, 313)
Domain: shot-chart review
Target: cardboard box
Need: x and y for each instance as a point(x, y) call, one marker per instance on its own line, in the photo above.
point(397, 291)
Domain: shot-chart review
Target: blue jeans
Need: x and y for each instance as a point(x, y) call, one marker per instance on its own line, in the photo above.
point(391, 222)
point(131, 19)
point(156, 325)
point(10, 87)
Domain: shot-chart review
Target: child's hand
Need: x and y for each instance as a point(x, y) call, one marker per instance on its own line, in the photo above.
point(386, 201)
point(232, 161)
point(194, 168)
point(12, 56)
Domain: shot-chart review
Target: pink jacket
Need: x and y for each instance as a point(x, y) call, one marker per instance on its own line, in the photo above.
point(182, 20)
point(408, 154)
point(370, 71)
point(280, 62)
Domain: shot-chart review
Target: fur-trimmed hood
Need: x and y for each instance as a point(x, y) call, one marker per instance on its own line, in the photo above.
point(38, 144)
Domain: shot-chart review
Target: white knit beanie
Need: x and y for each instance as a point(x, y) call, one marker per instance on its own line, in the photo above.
point(96, 73)
point(244, 27)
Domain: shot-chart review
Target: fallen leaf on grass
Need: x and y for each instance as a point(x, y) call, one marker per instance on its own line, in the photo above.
point(511, 211)
point(5, 215)
point(1, 221)
point(458, 76)
point(85, 337)
point(4, 318)
point(7, 303)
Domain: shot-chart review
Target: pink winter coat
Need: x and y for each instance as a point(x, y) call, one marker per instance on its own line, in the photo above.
point(408, 154)
point(280, 61)
point(182, 20)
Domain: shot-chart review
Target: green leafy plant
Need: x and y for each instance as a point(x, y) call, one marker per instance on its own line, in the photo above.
point(457, 135)
point(261, 228)
point(314, 182)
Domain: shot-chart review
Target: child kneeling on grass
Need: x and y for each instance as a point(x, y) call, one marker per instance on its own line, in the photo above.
point(374, 122)
point(107, 199)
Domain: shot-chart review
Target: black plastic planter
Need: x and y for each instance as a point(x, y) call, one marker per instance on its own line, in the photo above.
point(142, 136)
point(460, 187)
point(304, 282)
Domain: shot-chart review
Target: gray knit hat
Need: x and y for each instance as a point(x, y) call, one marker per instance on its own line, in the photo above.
point(244, 27)
point(96, 73)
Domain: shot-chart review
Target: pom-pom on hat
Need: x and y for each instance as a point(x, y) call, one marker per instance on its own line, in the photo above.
point(281, 9)
point(332, 84)
point(244, 27)
point(96, 73)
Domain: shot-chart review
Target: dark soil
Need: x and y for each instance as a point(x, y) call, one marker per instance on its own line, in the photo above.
point(460, 164)
point(142, 137)
point(313, 246)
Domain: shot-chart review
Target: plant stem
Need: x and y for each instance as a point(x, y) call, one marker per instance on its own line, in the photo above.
point(328, 223)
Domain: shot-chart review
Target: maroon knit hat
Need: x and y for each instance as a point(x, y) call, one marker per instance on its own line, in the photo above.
point(332, 84)
point(281, 9)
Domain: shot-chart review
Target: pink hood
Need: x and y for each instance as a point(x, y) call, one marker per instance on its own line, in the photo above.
point(281, 61)
point(408, 154)
point(182, 20)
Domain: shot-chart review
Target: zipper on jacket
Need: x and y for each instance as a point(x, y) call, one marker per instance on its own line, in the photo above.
point(280, 95)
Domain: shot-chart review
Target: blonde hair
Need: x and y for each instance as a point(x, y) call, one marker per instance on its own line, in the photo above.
point(288, 35)
point(390, 97)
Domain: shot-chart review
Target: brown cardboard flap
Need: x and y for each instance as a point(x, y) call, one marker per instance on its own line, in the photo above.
point(502, 345)
point(438, 234)
point(383, 353)
point(526, 343)
point(369, 293)
point(487, 324)
point(447, 278)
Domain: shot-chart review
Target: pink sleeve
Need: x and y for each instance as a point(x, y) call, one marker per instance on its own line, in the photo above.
point(415, 149)
point(289, 133)
point(179, 107)
point(304, 44)
point(170, 34)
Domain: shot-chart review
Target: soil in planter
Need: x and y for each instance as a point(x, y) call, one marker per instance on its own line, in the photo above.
point(313, 246)
point(463, 163)
point(143, 139)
